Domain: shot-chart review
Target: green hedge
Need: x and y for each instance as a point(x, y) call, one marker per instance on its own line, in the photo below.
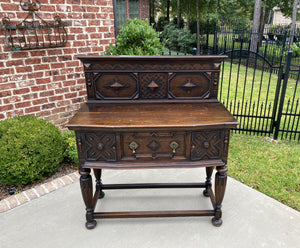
point(30, 148)
point(136, 37)
point(70, 150)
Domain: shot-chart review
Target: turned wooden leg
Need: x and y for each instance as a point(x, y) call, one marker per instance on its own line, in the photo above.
point(220, 186)
point(209, 171)
point(98, 173)
point(86, 185)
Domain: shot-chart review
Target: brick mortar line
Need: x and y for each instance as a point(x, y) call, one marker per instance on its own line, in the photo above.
point(11, 202)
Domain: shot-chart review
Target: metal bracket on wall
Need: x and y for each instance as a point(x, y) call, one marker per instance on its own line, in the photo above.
point(35, 33)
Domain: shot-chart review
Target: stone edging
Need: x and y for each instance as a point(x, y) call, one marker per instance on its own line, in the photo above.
point(36, 192)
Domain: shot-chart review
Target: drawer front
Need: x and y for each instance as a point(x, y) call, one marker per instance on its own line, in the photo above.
point(151, 146)
point(192, 85)
point(116, 86)
point(100, 147)
point(207, 145)
point(154, 145)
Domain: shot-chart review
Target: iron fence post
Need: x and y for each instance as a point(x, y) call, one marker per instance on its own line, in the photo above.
point(283, 91)
point(277, 95)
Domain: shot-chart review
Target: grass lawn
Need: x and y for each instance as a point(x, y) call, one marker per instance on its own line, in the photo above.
point(239, 82)
point(271, 168)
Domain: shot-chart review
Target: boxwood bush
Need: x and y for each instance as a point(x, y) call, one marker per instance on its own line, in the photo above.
point(179, 39)
point(70, 149)
point(136, 37)
point(30, 148)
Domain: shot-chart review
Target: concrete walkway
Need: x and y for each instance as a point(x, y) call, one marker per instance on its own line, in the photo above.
point(250, 218)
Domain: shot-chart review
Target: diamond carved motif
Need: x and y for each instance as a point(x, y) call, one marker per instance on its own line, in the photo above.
point(153, 86)
point(116, 85)
point(100, 147)
point(206, 145)
point(154, 145)
point(188, 85)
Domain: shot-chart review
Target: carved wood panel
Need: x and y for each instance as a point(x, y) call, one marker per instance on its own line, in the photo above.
point(89, 79)
point(191, 85)
point(100, 147)
point(215, 83)
point(153, 85)
point(146, 67)
point(206, 145)
point(116, 85)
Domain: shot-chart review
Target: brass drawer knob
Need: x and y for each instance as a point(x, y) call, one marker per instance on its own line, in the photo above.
point(133, 146)
point(174, 145)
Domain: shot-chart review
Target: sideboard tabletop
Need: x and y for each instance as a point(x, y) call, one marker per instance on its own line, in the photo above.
point(130, 115)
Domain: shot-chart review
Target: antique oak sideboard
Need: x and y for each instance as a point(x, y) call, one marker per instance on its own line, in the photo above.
point(152, 112)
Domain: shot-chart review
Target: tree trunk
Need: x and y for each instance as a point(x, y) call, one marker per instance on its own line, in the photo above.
point(255, 31)
point(178, 14)
point(262, 21)
point(198, 27)
point(188, 14)
point(255, 28)
point(151, 11)
point(168, 10)
point(293, 24)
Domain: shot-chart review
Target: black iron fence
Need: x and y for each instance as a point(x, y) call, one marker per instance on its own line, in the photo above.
point(259, 81)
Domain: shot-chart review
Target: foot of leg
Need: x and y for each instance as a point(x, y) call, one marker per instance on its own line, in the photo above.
point(101, 195)
point(98, 173)
point(91, 225)
point(216, 221)
point(209, 171)
point(206, 193)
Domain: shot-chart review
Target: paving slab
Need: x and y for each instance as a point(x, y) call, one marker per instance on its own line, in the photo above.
point(250, 218)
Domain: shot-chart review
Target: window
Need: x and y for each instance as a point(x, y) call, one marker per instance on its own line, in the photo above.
point(125, 9)
point(133, 9)
point(120, 13)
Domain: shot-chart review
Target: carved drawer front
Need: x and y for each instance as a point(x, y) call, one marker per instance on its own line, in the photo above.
point(100, 147)
point(153, 146)
point(191, 85)
point(206, 145)
point(116, 85)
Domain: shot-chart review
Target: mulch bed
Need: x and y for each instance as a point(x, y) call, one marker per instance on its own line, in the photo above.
point(64, 169)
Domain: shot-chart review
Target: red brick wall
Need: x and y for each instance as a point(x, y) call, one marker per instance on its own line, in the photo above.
point(144, 9)
point(50, 83)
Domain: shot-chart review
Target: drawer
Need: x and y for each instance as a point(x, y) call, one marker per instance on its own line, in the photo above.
point(206, 145)
point(115, 85)
point(150, 146)
point(192, 85)
point(154, 145)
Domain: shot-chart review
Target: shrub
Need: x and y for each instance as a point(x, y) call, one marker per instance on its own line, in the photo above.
point(179, 39)
point(296, 50)
point(136, 37)
point(70, 150)
point(30, 148)
point(161, 23)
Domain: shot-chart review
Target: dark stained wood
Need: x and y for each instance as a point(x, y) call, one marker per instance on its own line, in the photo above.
point(189, 116)
point(154, 164)
point(151, 214)
point(154, 185)
point(152, 112)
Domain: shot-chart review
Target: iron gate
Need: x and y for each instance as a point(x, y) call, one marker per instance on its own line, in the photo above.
point(261, 91)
